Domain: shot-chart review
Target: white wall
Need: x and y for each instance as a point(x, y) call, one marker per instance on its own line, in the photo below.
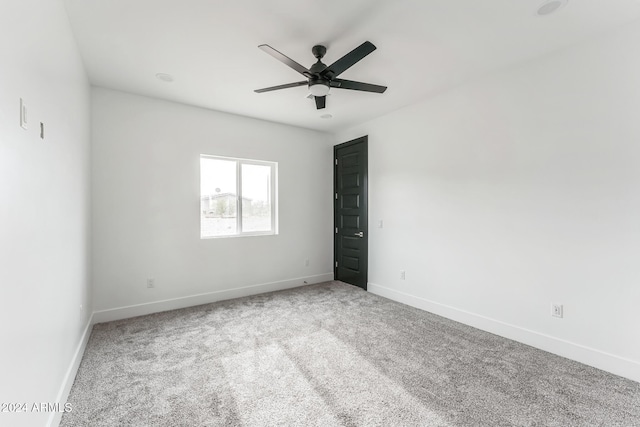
point(146, 202)
point(515, 191)
point(44, 207)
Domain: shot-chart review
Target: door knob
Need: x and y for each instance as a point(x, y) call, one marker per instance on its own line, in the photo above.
point(360, 234)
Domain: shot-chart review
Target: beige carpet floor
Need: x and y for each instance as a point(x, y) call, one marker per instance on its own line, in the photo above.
point(331, 355)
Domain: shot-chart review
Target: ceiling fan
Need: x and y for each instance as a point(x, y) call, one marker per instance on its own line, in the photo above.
point(320, 78)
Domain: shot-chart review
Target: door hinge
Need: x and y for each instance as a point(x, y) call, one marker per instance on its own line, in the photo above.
point(336, 162)
point(336, 230)
point(336, 196)
point(336, 264)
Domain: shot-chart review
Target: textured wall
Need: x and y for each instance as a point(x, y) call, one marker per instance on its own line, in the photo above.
point(44, 204)
point(515, 191)
point(146, 201)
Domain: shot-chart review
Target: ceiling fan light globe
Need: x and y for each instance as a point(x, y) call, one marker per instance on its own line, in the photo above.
point(319, 89)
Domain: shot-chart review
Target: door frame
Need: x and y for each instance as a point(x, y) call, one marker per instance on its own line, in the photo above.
point(365, 203)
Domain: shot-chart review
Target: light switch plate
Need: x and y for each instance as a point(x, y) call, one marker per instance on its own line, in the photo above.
point(23, 115)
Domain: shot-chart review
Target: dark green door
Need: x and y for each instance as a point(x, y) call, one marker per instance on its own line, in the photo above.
point(350, 212)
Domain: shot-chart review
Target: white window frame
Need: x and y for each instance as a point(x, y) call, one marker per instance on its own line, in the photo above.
point(273, 188)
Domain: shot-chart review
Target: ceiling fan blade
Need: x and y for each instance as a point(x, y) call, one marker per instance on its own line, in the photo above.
point(285, 60)
point(342, 64)
point(321, 102)
point(353, 85)
point(288, 85)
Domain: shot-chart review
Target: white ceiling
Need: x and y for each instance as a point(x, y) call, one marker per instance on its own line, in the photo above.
point(424, 47)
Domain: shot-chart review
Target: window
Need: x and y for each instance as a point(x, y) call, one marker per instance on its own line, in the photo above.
point(237, 197)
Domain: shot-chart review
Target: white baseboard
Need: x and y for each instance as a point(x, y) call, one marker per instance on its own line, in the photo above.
point(70, 375)
point(589, 356)
point(193, 300)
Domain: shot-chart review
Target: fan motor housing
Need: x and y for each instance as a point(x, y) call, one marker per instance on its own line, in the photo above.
point(319, 81)
point(317, 68)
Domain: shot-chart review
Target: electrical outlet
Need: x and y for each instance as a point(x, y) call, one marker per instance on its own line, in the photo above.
point(556, 310)
point(306, 263)
point(151, 283)
point(380, 224)
point(402, 275)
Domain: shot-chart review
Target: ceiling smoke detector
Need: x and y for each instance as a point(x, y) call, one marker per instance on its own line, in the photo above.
point(549, 7)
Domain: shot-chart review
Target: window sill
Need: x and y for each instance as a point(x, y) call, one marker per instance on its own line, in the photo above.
point(231, 236)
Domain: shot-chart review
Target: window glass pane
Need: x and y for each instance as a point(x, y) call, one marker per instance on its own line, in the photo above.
point(256, 198)
point(218, 199)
